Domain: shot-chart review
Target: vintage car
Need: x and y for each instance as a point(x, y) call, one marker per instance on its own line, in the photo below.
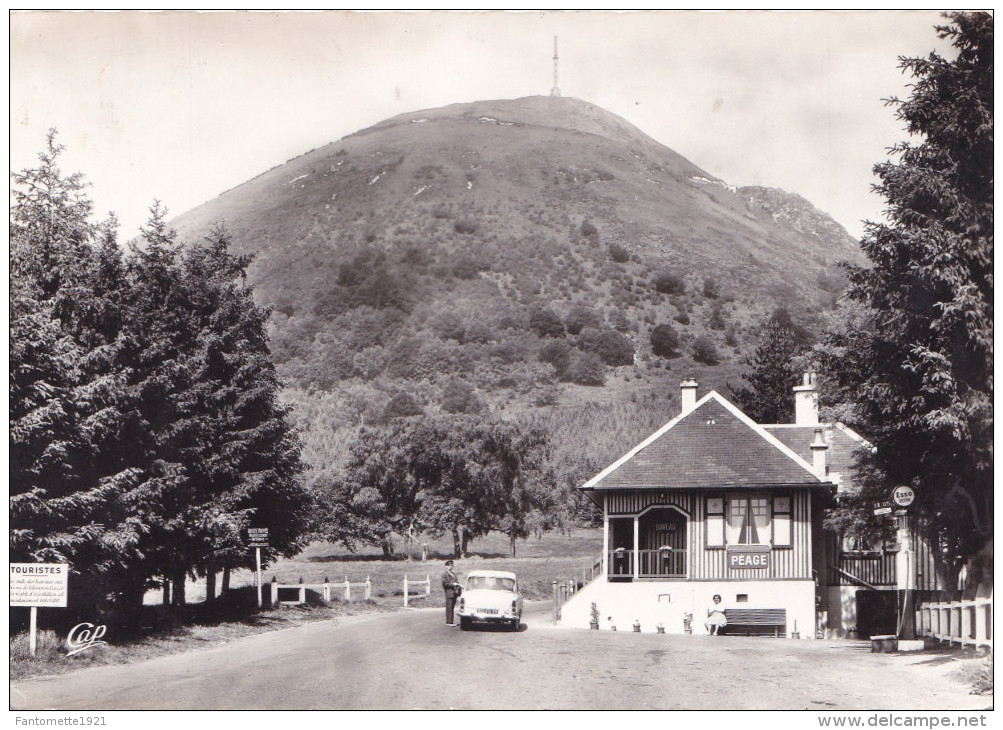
point(490, 597)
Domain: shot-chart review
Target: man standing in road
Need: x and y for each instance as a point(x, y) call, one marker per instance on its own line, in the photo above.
point(452, 589)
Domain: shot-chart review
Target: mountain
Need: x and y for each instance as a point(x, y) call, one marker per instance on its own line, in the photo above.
point(510, 254)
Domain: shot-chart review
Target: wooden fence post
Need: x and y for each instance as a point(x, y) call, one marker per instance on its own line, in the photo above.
point(428, 585)
point(369, 588)
point(555, 601)
point(327, 590)
point(302, 594)
point(348, 589)
point(274, 591)
point(405, 590)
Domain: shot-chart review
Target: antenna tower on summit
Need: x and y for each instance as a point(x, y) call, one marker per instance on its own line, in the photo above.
point(555, 91)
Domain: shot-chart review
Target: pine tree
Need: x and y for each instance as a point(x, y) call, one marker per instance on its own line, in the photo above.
point(772, 375)
point(923, 393)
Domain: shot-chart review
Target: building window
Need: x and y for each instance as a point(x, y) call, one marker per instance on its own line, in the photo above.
point(748, 521)
point(715, 522)
point(782, 521)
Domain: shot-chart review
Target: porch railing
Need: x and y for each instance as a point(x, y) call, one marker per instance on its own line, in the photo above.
point(867, 568)
point(651, 563)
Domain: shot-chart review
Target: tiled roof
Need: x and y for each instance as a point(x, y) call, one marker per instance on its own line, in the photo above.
point(841, 440)
point(714, 445)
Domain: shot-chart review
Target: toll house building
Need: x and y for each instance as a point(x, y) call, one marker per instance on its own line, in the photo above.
point(714, 503)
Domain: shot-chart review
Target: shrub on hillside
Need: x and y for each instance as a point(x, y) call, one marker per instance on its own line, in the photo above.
point(705, 352)
point(460, 397)
point(668, 283)
point(665, 341)
point(465, 225)
point(588, 229)
point(402, 405)
point(618, 253)
point(717, 321)
point(557, 353)
point(580, 317)
point(710, 288)
point(612, 347)
point(546, 323)
point(586, 368)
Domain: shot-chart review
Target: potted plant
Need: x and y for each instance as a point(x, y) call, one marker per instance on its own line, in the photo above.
point(660, 627)
point(594, 617)
point(637, 626)
point(688, 622)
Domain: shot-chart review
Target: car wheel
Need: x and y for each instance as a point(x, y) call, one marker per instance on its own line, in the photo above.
point(464, 623)
point(515, 624)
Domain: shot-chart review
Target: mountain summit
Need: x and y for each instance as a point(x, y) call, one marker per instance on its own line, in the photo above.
point(504, 243)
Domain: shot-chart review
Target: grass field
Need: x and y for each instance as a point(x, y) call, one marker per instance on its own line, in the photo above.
point(538, 563)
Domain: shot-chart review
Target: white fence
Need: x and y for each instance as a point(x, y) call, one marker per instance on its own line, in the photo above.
point(409, 584)
point(969, 623)
point(325, 589)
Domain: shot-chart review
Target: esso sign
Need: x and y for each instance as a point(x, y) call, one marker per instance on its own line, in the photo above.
point(903, 496)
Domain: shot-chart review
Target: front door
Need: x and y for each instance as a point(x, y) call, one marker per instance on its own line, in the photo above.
point(663, 543)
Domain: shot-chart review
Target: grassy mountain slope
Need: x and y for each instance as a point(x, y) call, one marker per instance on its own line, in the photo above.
point(509, 256)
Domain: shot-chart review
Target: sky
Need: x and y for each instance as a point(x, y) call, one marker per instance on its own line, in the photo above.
point(181, 106)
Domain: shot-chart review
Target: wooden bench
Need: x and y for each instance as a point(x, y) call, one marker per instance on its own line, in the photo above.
point(755, 622)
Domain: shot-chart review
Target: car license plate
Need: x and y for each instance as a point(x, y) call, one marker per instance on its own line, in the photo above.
point(491, 611)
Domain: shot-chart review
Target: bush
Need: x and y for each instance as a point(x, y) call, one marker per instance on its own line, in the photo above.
point(665, 341)
point(705, 352)
point(618, 253)
point(588, 229)
point(717, 317)
point(580, 317)
point(710, 289)
point(546, 323)
point(612, 347)
point(558, 353)
point(402, 405)
point(668, 283)
point(465, 225)
point(586, 369)
point(460, 397)
point(48, 646)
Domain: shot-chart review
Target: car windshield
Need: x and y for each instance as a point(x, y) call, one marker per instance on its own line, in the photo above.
point(490, 583)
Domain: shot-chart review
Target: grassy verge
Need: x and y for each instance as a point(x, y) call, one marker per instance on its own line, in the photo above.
point(977, 674)
point(539, 562)
point(50, 657)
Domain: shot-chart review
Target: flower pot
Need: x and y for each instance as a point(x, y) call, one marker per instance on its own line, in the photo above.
point(594, 625)
point(660, 629)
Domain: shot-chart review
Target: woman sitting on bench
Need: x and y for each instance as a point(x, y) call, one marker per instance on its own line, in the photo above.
point(715, 617)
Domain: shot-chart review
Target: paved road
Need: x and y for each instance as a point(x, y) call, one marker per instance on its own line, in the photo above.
point(412, 660)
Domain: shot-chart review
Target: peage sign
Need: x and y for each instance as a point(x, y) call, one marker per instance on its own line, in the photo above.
point(749, 558)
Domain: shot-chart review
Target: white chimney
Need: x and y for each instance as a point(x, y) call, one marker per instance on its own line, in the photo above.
point(818, 449)
point(689, 389)
point(806, 402)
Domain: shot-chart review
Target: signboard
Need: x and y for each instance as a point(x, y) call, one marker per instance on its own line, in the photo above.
point(883, 511)
point(257, 536)
point(749, 557)
point(903, 496)
point(39, 584)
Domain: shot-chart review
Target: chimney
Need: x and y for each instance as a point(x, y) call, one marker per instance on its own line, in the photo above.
point(806, 402)
point(689, 389)
point(818, 449)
